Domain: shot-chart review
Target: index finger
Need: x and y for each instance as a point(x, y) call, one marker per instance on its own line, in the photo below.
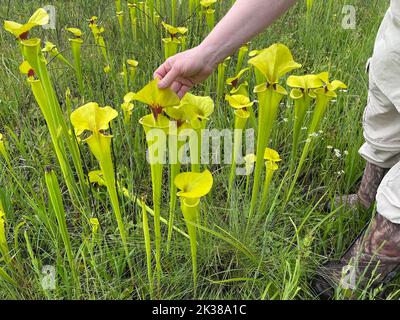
point(162, 70)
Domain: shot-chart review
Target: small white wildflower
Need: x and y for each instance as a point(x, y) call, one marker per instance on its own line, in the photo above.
point(313, 135)
point(285, 120)
point(345, 152)
point(337, 153)
point(304, 128)
point(308, 140)
point(340, 173)
point(329, 147)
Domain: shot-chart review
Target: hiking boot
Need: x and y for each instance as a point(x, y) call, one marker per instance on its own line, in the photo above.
point(373, 259)
point(366, 194)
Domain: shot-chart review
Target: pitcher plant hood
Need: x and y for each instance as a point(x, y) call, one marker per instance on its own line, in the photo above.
point(274, 62)
point(21, 31)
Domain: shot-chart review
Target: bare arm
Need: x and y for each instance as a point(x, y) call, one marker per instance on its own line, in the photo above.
point(244, 20)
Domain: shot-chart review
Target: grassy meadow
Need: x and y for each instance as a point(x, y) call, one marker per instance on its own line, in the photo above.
point(284, 243)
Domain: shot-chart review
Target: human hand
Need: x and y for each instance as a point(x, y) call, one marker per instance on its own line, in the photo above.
point(186, 69)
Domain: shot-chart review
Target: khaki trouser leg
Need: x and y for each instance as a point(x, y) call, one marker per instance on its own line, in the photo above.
point(381, 124)
point(388, 196)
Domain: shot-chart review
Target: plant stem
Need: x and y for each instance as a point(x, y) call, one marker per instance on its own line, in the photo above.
point(269, 101)
point(267, 182)
point(76, 45)
point(240, 124)
point(190, 210)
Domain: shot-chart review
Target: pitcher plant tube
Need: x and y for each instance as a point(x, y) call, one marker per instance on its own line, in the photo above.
point(95, 120)
point(177, 137)
point(271, 158)
point(273, 62)
point(198, 110)
point(249, 160)
point(132, 67)
point(157, 100)
point(76, 44)
point(241, 55)
point(221, 77)
point(172, 42)
point(127, 107)
point(193, 186)
point(41, 84)
point(52, 50)
point(323, 97)
point(99, 41)
point(209, 12)
point(240, 104)
point(303, 95)
point(133, 19)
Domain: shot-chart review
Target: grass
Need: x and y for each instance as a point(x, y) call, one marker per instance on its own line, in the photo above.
point(284, 245)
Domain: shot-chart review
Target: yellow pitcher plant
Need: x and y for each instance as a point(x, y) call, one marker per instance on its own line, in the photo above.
point(198, 110)
point(249, 160)
point(96, 177)
point(41, 84)
point(237, 87)
point(302, 95)
point(241, 55)
point(133, 19)
point(273, 62)
point(21, 31)
point(76, 44)
point(193, 186)
point(240, 87)
point(258, 74)
point(177, 137)
point(120, 17)
point(96, 120)
point(240, 104)
point(127, 107)
point(157, 100)
point(221, 77)
point(209, 12)
point(99, 41)
point(323, 96)
point(52, 50)
point(271, 158)
point(132, 67)
point(172, 42)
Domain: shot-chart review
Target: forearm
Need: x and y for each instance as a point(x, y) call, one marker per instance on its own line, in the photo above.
point(245, 20)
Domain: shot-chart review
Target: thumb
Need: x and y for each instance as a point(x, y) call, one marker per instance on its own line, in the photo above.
point(169, 78)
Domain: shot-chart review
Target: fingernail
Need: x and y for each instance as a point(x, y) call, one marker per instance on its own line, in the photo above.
point(161, 85)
